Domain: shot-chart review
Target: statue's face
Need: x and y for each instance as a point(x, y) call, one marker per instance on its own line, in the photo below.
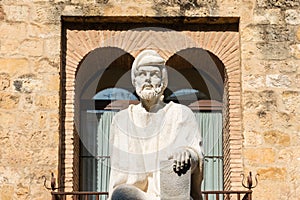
point(148, 81)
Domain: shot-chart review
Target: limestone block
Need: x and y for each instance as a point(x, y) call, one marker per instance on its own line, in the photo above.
point(22, 191)
point(272, 173)
point(46, 66)
point(14, 66)
point(47, 101)
point(4, 81)
point(25, 121)
point(52, 47)
point(253, 81)
point(264, 100)
point(288, 66)
point(6, 192)
point(172, 186)
point(13, 31)
point(41, 120)
point(297, 80)
point(278, 33)
point(82, 1)
point(268, 16)
point(43, 31)
point(31, 47)
point(2, 14)
point(42, 13)
point(253, 138)
point(295, 50)
point(9, 101)
point(260, 155)
point(74, 10)
point(285, 155)
point(291, 101)
point(7, 119)
point(277, 3)
point(276, 137)
point(26, 83)
point(252, 33)
point(54, 120)
point(298, 34)
point(292, 17)
point(52, 83)
point(274, 50)
point(16, 13)
point(9, 46)
point(112, 10)
point(278, 81)
point(26, 101)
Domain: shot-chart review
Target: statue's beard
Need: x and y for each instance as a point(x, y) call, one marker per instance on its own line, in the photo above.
point(149, 93)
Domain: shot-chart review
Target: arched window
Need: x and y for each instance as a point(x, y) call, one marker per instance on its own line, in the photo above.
point(195, 79)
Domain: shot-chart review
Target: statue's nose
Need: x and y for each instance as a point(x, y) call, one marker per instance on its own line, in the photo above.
point(148, 78)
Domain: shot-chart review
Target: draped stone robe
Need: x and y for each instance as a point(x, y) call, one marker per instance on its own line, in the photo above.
point(139, 140)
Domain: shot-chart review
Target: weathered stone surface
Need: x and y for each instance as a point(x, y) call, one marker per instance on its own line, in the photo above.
point(9, 101)
point(298, 33)
point(4, 81)
point(46, 66)
point(277, 33)
point(17, 13)
point(264, 100)
point(277, 3)
point(253, 138)
point(26, 83)
point(6, 192)
point(272, 173)
point(254, 81)
point(47, 101)
point(29, 112)
point(43, 15)
point(260, 155)
point(274, 51)
point(2, 14)
point(295, 50)
point(14, 66)
point(278, 81)
point(292, 17)
point(73, 10)
point(277, 137)
point(31, 47)
point(269, 16)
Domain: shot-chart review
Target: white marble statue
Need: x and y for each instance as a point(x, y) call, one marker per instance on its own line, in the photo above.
point(144, 135)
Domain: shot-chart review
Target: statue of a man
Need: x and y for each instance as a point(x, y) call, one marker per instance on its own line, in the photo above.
point(143, 135)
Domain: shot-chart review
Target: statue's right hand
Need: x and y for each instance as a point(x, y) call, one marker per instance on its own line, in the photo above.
point(182, 161)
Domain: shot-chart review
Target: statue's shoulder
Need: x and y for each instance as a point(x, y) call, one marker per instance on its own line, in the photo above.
point(121, 114)
point(178, 107)
point(125, 112)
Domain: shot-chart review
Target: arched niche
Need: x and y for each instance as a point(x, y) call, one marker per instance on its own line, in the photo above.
point(79, 44)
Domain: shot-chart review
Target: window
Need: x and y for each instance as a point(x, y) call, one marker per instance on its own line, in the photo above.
point(94, 57)
point(193, 90)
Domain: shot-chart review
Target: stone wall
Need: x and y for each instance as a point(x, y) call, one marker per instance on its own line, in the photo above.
point(30, 85)
point(270, 66)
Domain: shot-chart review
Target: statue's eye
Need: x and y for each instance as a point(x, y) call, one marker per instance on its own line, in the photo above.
point(155, 74)
point(142, 73)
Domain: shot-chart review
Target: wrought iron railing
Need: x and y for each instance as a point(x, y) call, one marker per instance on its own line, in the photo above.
point(79, 195)
point(207, 195)
point(227, 195)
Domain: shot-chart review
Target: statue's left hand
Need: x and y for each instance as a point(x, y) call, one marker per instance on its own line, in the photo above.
point(182, 161)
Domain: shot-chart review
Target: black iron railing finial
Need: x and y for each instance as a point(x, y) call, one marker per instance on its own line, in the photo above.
point(249, 182)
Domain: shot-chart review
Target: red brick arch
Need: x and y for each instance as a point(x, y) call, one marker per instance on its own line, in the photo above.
point(223, 44)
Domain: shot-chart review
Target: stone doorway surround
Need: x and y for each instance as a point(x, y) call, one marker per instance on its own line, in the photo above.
point(219, 36)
